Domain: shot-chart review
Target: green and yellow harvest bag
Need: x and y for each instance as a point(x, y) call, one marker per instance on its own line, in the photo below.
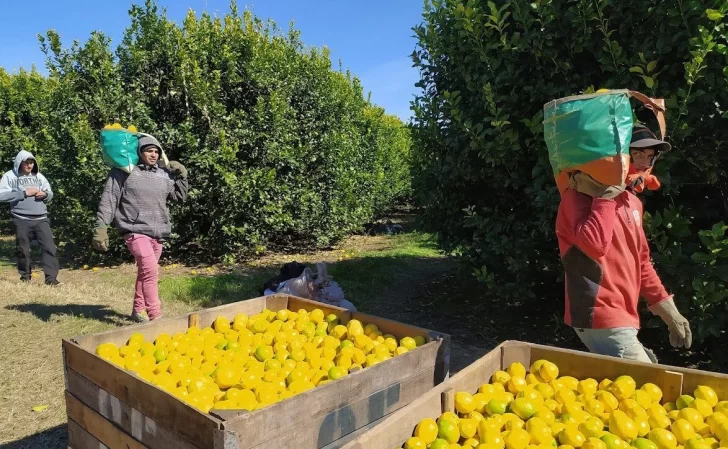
point(592, 132)
point(119, 147)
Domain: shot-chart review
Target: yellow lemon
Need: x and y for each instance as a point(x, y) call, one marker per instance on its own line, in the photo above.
point(613, 442)
point(468, 428)
point(408, 342)
point(448, 430)
point(588, 386)
point(545, 414)
point(702, 406)
point(659, 422)
point(707, 394)
point(523, 408)
point(426, 430)
point(564, 396)
point(464, 402)
point(653, 390)
point(683, 401)
point(622, 426)
point(415, 443)
point(642, 398)
point(221, 324)
point(517, 369)
point(682, 430)
point(517, 439)
point(663, 438)
point(571, 437)
point(516, 384)
point(623, 387)
point(594, 443)
point(545, 390)
point(533, 379)
point(692, 416)
point(644, 443)
point(500, 377)
point(643, 425)
point(548, 371)
point(592, 427)
point(608, 400)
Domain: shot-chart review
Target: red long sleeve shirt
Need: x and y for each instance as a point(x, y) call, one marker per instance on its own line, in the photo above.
point(606, 259)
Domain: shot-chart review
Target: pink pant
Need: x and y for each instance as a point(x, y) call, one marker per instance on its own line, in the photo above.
point(146, 251)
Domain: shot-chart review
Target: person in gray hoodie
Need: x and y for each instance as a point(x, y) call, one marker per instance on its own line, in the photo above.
point(28, 192)
point(136, 204)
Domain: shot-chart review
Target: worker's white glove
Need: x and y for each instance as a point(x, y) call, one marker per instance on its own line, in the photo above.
point(680, 334)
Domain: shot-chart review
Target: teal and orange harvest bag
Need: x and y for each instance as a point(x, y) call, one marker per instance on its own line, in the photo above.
point(591, 133)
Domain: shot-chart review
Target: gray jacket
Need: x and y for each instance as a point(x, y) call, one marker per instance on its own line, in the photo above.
point(13, 186)
point(137, 202)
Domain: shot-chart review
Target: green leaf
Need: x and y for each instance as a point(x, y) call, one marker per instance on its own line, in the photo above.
point(713, 14)
point(651, 66)
point(699, 257)
point(649, 82)
point(697, 285)
point(636, 69)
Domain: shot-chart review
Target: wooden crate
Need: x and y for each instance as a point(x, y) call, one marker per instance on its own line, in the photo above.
point(110, 407)
point(396, 428)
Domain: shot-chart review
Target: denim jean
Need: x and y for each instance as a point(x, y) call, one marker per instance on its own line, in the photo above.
point(616, 342)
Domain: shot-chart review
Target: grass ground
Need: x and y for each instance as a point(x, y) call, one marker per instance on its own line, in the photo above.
point(402, 277)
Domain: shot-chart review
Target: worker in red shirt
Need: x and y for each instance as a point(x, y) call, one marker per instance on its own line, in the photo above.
point(607, 264)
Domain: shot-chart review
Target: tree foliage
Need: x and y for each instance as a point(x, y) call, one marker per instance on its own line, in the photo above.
point(282, 150)
point(480, 160)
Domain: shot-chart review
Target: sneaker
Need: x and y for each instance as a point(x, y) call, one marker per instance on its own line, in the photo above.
point(139, 317)
point(24, 280)
point(54, 283)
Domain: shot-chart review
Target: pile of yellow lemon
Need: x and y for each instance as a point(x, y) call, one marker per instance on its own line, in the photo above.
point(540, 410)
point(255, 361)
point(131, 128)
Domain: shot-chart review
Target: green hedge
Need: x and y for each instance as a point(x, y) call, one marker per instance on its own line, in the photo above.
point(480, 159)
point(282, 150)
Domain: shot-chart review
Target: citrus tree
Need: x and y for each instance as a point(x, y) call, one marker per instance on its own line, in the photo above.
point(480, 160)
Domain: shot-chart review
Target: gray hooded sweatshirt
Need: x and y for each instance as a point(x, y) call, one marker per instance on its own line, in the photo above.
point(136, 203)
point(13, 186)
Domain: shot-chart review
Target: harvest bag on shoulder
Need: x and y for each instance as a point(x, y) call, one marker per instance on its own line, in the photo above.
point(119, 149)
point(592, 132)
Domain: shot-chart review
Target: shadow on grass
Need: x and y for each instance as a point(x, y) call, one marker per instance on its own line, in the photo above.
point(53, 438)
point(95, 312)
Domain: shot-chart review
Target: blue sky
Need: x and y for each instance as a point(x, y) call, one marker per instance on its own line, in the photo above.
point(372, 38)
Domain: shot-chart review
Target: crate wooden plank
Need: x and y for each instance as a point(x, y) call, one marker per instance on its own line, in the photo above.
point(296, 304)
point(130, 420)
point(598, 366)
point(166, 410)
point(100, 428)
point(172, 325)
point(345, 420)
point(78, 438)
point(327, 398)
point(397, 427)
point(671, 387)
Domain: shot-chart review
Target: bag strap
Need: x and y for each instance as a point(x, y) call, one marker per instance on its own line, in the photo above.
point(657, 106)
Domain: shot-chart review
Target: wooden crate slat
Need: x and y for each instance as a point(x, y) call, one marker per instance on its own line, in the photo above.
point(599, 367)
point(327, 398)
point(295, 304)
point(398, 426)
point(100, 428)
point(121, 414)
point(171, 325)
point(165, 409)
point(78, 438)
point(349, 418)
